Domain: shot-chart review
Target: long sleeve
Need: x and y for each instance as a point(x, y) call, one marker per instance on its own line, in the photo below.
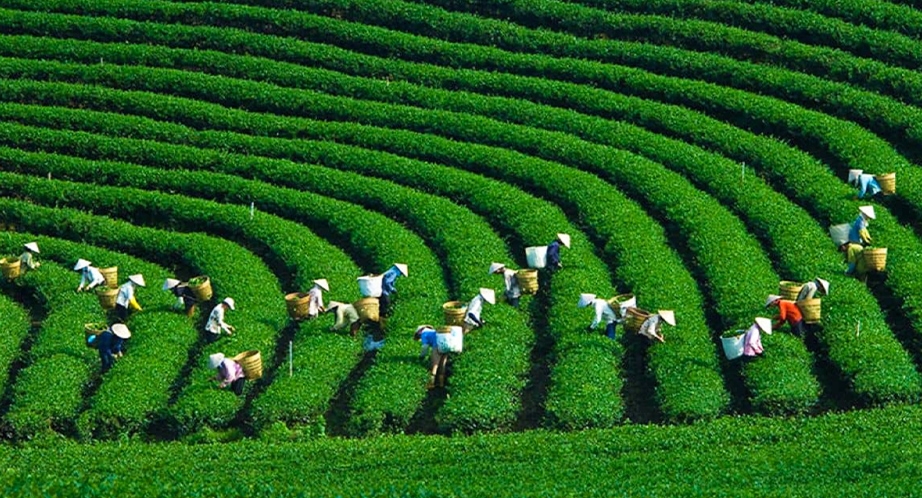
point(807, 291)
point(867, 185)
point(512, 284)
point(859, 231)
point(388, 279)
point(752, 341)
point(552, 257)
point(315, 301)
point(28, 261)
point(597, 305)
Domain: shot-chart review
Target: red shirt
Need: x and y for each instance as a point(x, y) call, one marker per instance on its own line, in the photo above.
point(788, 310)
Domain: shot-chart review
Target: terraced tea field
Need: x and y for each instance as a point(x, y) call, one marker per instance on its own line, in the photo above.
point(696, 151)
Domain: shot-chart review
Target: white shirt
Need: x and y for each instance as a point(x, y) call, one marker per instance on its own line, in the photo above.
point(216, 321)
point(125, 293)
point(650, 327)
point(474, 308)
point(807, 291)
point(512, 284)
point(92, 276)
point(315, 301)
point(603, 311)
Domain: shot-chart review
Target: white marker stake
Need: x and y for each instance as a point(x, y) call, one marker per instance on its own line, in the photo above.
point(290, 366)
point(251, 210)
point(858, 328)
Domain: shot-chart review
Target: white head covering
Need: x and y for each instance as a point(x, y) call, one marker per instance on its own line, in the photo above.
point(170, 283)
point(564, 239)
point(668, 316)
point(121, 330)
point(81, 264)
point(488, 295)
point(32, 246)
point(322, 283)
point(496, 266)
point(771, 298)
point(403, 269)
point(423, 328)
point(214, 361)
point(839, 233)
point(138, 279)
point(853, 175)
point(333, 304)
point(765, 324)
point(585, 299)
point(229, 301)
point(868, 211)
point(824, 284)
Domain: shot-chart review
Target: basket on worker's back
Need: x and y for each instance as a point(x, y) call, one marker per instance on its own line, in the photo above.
point(810, 309)
point(454, 312)
point(875, 258)
point(622, 301)
point(887, 183)
point(789, 290)
point(10, 267)
point(536, 256)
point(449, 339)
point(298, 304)
point(201, 287)
point(111, 276)
point(107, 297)
point(528, 280)
point(371, 285)
point(368, 309)
point(252, 364)
point(91, 329)
point(634, 319)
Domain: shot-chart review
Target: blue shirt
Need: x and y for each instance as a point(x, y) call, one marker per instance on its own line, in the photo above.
point(867, 184)
point(853, 233)
point(388, 279)
point(109, 343)
point(552, 258)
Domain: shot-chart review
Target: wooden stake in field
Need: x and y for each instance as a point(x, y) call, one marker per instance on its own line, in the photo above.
point(290, 364)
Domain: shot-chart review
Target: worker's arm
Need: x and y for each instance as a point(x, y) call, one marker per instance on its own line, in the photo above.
point(134, 304)
point(865, 235)
point(423, 351)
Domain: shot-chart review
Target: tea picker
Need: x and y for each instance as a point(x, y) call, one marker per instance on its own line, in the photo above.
point(229, 372)
point(315, 298)
point(126, 296)
point(426, 335)
point(185, 298)
point(809, 290)
point(867, 184)
point(854, 256)
point(552, 257)
point(652, 326)
point(603, 313)
point(216, 322)
point(858, 234)
point(752, 339)
point(475, 308)
point(90, 276)
point(111, 344)
point(345, 315)
point(27, 259)
point(787, 312)
point(513, 292)
point(388, 279)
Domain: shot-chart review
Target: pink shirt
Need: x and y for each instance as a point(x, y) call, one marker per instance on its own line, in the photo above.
point(229, 371)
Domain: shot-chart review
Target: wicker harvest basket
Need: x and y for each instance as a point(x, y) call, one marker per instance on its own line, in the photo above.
point(202, 288)
point(93, 329)
point(454, 312)
point(876, 259)
point(107, 296)
point(616, 301)
point(634, 319)
point(298, 305)
point(368, 309)
point(10, 268)
point(252, 364)
point(528, 280)
point(789, 290)
point(810, 309)
point(111, 276)
point(887, 183)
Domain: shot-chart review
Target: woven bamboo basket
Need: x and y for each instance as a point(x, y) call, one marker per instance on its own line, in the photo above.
point(810, 309)
point(298, 304)
point(106, 296)
point(454, 312)
point(887, 183)
point(252, 364)
point(616, 301)
point(368, 309)
point(111, 276)
point(789, 290)
point(10, 268)
point(876, 259)
point(528, 280)
point(93, 329)
point(202, 291)
point(634, 319)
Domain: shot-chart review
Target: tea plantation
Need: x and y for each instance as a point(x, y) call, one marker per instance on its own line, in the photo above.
point(696, 152)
